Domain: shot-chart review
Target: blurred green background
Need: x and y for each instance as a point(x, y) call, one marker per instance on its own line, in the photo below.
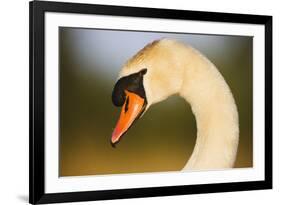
point(163, 139)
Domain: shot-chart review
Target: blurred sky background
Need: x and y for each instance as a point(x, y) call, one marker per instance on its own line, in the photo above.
point(163, 139)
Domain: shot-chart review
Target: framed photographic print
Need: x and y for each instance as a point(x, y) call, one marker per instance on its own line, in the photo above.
point(140, 102)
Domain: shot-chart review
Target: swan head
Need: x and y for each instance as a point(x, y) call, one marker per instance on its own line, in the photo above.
point(147, 78)
point(128, 93)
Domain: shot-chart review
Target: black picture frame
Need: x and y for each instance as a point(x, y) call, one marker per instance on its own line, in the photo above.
point(37, 9)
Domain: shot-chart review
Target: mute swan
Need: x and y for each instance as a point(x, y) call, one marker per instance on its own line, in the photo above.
point(166, 67)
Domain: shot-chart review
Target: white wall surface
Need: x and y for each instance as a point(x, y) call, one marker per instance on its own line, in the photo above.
point(14, 100)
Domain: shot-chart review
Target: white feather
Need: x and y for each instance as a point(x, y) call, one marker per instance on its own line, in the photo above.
point(176, 68)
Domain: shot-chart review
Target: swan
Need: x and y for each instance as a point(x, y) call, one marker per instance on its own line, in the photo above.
point(166, 67)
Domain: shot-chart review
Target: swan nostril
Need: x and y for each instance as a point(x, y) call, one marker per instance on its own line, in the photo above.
point(127, 104)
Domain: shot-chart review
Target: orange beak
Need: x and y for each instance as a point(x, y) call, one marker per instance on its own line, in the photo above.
point(131, 110)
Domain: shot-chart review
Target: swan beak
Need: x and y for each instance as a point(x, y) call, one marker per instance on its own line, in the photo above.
point(131, 110)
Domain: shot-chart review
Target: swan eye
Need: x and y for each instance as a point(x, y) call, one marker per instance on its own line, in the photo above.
point(143, 71)
point(132, 83)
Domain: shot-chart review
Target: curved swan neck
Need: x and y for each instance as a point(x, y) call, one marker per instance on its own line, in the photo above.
point(216, 115)
point(177, 68)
